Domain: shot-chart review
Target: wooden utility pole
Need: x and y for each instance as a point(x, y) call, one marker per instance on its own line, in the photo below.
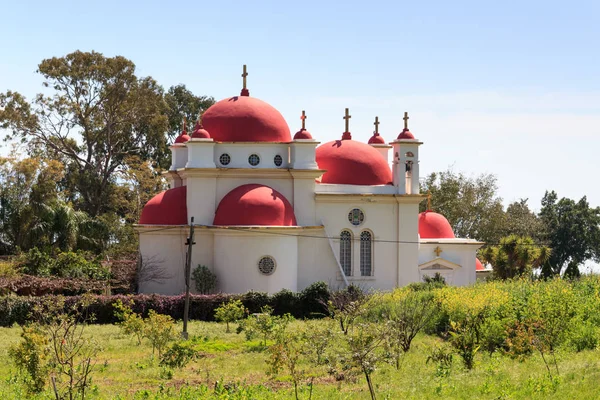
point(188, 270)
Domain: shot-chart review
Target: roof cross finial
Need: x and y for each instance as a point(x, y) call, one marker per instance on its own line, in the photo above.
point(303, 118)
point(347, 117)
point(376, 123)
point(245, 91)
point(406, 118)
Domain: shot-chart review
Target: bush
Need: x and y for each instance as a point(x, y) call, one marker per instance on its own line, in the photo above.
point(160, 330)
point(64, 265)
point(204, 278)
point(31, 357)
point(313, 300)
point(285, 302)
point(179, 354)
point(233, 311)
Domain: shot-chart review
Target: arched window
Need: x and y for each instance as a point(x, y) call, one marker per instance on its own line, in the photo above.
point(366, 253)
point(346, 252)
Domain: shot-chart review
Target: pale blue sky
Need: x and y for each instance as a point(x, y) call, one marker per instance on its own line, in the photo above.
point(511, 88)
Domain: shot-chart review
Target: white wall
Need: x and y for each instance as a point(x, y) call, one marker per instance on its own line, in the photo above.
point(239, 153)
point(167, 249)
point(462, 254)
point(236, 262)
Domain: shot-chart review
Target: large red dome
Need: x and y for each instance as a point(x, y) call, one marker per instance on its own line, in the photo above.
point(166, 208)
point(255, 204)
point(245, 119)
point(434, 226)
point(352, 163)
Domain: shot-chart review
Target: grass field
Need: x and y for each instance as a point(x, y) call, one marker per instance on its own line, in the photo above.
point(125, 370)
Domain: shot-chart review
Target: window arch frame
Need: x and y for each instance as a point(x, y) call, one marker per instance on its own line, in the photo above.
point(366, 253)
point(346, 253)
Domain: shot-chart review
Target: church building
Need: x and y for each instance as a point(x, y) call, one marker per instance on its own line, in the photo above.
point(273, 211)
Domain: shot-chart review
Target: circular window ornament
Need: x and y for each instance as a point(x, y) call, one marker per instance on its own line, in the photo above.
point(278, 160)
point(253, 160)
point(356, 217)
point(225, 159)
point(266, 265)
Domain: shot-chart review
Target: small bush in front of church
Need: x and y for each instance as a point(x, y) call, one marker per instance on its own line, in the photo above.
point(204, 279)
point(313, 300)
point(232, 311)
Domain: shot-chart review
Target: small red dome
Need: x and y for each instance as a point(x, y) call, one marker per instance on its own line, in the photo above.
point(255, 204)
point(434, 226)
point(302, 134)
point(352, 163)
point(184, 137)
point(245, 119)
point(406, 134)
point(200, 132)
point(166, 208)
point(478, 265)
point(376, 139)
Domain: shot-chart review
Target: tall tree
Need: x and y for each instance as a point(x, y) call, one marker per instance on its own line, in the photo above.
point(182, 103)
point(471, 205)
point(521, 221)
point(572, 228)
point(515, 256)
point(98, 114)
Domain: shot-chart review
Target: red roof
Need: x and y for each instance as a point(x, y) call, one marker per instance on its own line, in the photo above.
point(302, 134)
point(166, 208)
point(184, 137)
point(352, 163)
point(245, 119)
point(434, 226)
point(255, 204)
point(478, 265)
point(376, 139)
point(200, 132)
point(406, 134)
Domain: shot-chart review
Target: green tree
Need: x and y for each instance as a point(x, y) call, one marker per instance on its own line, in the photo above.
point(515, 256)
point(471, 205)
point(521, 221)
point(233, 311)
point(99, 114)
point(182, 103)
point(572, 229)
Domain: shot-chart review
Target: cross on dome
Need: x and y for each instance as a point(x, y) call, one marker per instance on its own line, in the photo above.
point(245, 91)
point(346, 135)
point(303, 118)
point(376, 123)
point(406, 118)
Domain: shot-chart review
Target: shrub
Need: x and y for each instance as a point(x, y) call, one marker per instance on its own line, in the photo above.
point(131, 323)
point(179, 354)
point(35, 262)
point(205, 280)
point(264, 324)
point(285, 302)
point(160, 330)
point(583, 336)
point(313, 300)
point(64, 265)
point(31, 356)
point(233, 311)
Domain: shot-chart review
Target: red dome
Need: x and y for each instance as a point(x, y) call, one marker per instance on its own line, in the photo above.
point(302, 134)
point(352, 163)
point(406, 134)
point(200, 132)
point(184, 137)
point(478, 265)
point(376, 139)
point(245, 119)
point(434, 226)
point(255, 204)
point(166, 208)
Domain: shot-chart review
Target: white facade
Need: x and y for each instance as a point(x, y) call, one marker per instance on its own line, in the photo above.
point(345, 234)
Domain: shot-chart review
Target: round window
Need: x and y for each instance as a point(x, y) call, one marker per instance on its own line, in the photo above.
point(278, 160)
point(356, 217)
point(225, 159)
point(266, 265)
point(253, 160)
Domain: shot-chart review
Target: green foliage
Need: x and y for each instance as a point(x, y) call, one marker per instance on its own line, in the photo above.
point(180, 353)
point(232, 311)
point(515, 256)
point(31, 356)
point(313, 300)
point(205, 280)
point(573, 232)
point(159, 330)
point(131, 323)
point(182, 103)
point(464, 337)
point(264, 325)
point(64, 265)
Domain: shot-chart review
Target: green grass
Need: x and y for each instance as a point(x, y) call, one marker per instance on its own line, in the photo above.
point(125, 370)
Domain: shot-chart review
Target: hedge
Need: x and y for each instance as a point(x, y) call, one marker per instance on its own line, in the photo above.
point(309, 303)
point(28, 285)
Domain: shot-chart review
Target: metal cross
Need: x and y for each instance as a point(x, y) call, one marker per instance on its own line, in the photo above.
point(347, 118)
point(244, 75)
point(406, 118)
point(376, 123)
point(437, 251)
point(303, 118)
